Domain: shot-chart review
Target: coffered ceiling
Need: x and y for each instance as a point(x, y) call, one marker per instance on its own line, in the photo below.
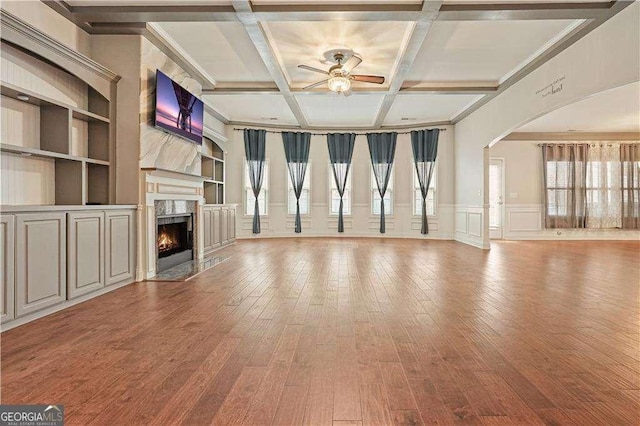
point(440, 59)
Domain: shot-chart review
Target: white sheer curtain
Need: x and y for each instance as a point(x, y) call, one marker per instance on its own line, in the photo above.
point(604, 193)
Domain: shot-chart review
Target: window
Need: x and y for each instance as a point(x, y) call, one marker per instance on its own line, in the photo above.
point(559, 188)
point(305, 195)
point(375, 195)
point(602, 177)
point(431, 194)
point(263, 198)
point(335, 196)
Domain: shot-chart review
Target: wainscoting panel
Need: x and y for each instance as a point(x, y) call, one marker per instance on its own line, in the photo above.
point(461, 222)
point(474, 224)
point(469, 225)
point(523, 218)
point(525, 222)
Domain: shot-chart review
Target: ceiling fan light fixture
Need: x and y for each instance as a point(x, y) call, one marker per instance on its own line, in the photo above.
point(339, 83)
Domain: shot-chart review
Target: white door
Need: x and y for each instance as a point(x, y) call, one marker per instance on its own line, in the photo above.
point(496, 197)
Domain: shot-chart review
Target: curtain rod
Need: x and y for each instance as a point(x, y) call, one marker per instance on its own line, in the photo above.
point(583, 143)
point(324, 134)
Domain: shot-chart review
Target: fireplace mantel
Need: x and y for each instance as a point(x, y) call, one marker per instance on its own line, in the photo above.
point(166, 186)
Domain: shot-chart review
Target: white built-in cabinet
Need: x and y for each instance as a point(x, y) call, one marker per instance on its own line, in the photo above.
point(41, 257)
point(7, 268)
point(86, 252)
point(120, 246)
point(49, 258)
point(219, 226)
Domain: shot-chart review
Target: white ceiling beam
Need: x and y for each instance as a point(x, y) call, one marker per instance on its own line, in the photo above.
point(159, 37)
point(522, 11)
point(467, 11)
point(413, 46)
point(224, 89)
point(261, 43)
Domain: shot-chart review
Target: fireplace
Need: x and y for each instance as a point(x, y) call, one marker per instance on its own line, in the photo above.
point(174, 242)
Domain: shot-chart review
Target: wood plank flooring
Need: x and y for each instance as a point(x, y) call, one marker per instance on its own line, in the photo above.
point(351, 332)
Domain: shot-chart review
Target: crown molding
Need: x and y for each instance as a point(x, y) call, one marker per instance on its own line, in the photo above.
point(411, 126)
point(572, 136)
point(208, 109)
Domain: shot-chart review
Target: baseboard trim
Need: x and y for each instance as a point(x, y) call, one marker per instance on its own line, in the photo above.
point(462, 238)
point(620, 237)
point(61, 306)
point(349, 235)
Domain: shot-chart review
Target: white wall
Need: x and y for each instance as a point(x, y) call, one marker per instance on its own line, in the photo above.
point(49, 22)
point(606, 58)
point(401, 223)
point(524, 213)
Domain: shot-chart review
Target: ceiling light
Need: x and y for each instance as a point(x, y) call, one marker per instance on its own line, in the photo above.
point(22, 97)
point(339, 83)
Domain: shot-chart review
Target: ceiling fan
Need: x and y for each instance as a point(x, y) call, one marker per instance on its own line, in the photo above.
point(339, 75)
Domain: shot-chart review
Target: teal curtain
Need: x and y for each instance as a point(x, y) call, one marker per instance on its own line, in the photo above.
point(382, 148)
point(425, 150)
point(340, 152)
point(254, 148)
point(296, 149)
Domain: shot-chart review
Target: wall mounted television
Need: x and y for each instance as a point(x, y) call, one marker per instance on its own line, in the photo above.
point(178, 111)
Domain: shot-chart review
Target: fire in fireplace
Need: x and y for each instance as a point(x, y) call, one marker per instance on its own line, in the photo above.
point(171, 238)
point(174, 240)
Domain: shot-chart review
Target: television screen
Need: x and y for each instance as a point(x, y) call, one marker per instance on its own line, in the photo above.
point(177, 110)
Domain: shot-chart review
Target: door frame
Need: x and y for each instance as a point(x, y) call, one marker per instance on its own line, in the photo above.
point(504, 196)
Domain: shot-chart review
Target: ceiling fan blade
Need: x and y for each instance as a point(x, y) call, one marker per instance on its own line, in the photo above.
point(311, 86)
point(353, 62)
point(347, 93)
point(308, 68)
point(368, 78)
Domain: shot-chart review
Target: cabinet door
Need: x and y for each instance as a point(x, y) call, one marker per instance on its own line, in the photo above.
point(7, 268)
point(224, 225)
point(207, 228)
point(120, 240)
point(232, 223)
point(217, 239)
point(41, 261)
point(85, 239)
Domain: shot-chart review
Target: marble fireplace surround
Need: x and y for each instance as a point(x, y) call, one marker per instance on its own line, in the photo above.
point(167, 193)
point(182, 209)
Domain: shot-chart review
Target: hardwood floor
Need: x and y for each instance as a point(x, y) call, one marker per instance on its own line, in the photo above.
point(351, 332)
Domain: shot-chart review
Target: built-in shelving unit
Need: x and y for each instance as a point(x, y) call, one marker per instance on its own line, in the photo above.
point(76, 140)
point(212, 158)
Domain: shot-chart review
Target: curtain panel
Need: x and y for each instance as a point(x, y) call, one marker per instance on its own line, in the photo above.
point(630, 182)
point(604, 194)
point(382, 148)
point(424, 144)
point(296, 150)
point(340, 153)
point(254, 148)
point(565, 179)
